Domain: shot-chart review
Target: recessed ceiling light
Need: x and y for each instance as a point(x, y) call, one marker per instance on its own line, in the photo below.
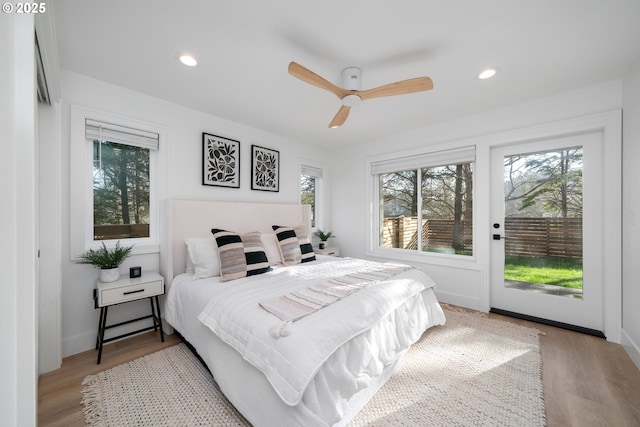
point(188, 60)
point(488, 73)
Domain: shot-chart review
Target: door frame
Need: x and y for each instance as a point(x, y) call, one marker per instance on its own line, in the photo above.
point(610, 124)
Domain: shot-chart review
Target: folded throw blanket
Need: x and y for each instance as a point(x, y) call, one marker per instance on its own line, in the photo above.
point(298, 304)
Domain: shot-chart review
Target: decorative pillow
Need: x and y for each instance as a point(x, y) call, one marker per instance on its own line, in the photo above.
point(240, 255)
point(288, 244)
point(305, 243)
point(188, 263)
point(270, 242)
point(257, 261)
point(289, 238)
point(203, 254)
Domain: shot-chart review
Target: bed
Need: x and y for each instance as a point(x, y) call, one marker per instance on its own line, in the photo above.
point(276, 364)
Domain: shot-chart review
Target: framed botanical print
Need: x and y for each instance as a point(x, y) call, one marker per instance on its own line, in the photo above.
point(220, 161)
point(265, 169)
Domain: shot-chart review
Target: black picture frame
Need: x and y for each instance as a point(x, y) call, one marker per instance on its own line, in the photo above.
point(265, 169)
point(220, 161)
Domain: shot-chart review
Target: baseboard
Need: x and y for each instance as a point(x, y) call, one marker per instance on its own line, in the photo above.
point(78, 343)
point(457, 299)
point(632, 348)
point(87, 341)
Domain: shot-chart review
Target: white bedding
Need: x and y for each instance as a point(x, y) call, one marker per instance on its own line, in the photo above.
point(290, 362)
point(345, 366)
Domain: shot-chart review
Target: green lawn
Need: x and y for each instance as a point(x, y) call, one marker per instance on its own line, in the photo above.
point(551, 271)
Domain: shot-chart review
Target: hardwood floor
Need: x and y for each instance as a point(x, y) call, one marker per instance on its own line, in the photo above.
point(59, 390)
point(587, 380)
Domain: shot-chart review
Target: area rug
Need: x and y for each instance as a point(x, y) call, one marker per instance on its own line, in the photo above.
point(474, 371)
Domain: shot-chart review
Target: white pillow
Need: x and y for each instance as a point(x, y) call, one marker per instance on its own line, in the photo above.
point(270, 242)
point(189, 263)
point(203, 252)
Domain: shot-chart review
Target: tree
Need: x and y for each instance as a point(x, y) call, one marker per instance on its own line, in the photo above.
point(308, 194)
point(447, 194)
point(400, 193)
point(548, 183)
point(121, 184)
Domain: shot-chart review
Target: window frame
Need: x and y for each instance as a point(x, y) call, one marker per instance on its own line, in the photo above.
point(319, 191)
point(374, 203)
point(81, 183)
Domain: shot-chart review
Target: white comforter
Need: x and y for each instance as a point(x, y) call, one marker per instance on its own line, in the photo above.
point(291, 362)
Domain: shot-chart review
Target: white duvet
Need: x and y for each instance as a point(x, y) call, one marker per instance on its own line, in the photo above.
point(291, 362)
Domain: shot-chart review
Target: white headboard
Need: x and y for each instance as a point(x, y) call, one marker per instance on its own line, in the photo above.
point(196, 218)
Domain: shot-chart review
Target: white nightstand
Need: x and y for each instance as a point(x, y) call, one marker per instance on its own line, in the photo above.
point(149, 285)
point(327, 251)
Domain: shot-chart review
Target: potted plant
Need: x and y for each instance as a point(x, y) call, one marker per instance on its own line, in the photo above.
point(323, 237)
point(107, 260)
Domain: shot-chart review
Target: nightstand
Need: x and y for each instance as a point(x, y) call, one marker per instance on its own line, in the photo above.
point(327, 251)
point(149, 285)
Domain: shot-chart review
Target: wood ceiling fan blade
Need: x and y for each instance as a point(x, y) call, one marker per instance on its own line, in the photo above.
point(308, 76)
point(340, 117)
point(418, 84)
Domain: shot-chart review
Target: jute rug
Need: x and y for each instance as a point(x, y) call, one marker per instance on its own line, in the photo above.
point(474, 371)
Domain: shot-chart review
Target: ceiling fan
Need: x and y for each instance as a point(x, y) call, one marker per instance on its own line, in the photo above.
point(352, 94)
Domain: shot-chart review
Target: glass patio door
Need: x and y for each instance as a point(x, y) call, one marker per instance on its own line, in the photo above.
point(546, 230)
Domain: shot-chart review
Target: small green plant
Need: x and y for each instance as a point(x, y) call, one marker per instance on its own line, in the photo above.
point(104, 258)
point(324, 236)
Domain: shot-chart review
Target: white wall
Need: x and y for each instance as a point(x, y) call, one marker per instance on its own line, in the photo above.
point(459, 282)
point(18, 262)
point(631, 214)
point(182, 154)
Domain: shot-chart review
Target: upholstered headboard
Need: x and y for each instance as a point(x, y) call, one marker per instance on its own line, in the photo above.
point(196, 218)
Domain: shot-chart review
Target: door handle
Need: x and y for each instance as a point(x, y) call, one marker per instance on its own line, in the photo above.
point(498, 237)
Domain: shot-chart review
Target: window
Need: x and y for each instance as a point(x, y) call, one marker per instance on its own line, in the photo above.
point(426, 202)
point(113, 182)
point(120, 191)
point(310, 191)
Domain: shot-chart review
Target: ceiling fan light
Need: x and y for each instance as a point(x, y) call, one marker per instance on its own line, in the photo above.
point(188, 60)
point(488, 73)
point(351, 100)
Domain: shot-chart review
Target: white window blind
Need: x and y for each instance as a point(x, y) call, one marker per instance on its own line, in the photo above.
point(427, 160)
point(310, 171)
point(96, 130)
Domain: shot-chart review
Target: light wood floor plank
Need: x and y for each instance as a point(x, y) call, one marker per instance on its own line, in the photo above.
point(587, 380)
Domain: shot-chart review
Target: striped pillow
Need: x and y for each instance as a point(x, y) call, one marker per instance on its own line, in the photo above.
point(288, 245)
point(294, 243)
point(240, 255)
point(305, 243)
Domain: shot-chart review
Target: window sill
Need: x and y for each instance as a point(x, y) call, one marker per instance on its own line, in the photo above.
point(431, 258)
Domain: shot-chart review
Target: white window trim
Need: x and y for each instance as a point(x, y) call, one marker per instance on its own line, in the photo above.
point(320, 190)
point(372, 181)
point(81, 194)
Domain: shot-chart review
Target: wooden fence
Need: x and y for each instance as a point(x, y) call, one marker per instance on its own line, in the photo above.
point(544, 237)
point(120, 231)
point(538, 237)
point(402, 232)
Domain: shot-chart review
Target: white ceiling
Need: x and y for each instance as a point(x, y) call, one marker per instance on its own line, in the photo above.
point(543, 47)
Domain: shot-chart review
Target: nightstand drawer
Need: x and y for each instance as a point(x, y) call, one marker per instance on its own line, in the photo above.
point(328, 251)
point(131, 292)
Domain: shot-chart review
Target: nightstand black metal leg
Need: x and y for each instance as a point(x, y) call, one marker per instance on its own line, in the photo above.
point(103, 326)
point(159, 318)
point(99, 328)
point(153, 313)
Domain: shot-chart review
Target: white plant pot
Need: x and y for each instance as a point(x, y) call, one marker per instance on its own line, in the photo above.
point(109, 275)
